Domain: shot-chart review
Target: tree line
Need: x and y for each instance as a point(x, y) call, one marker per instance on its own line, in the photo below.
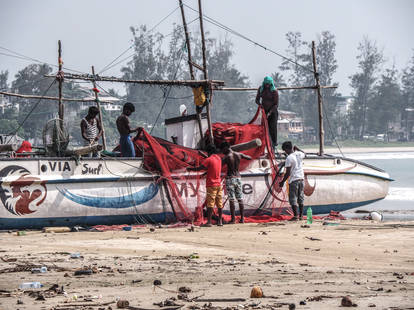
point(381, 93)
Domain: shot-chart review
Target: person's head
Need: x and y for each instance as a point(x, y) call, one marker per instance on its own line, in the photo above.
point(93, 111)
point(225, 147)
point(128, 108)
point(287, 147)
point(268, 83)
point(211, 149)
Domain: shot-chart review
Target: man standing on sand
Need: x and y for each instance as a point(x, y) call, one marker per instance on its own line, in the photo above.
point(294, 170)
point(214, 190)
point(91, 128)
point(122, 123)
point(233, 179)
point(270, 102)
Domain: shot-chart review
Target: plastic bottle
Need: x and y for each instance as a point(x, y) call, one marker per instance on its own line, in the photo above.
point(75, 255)
point(39, 270)
point(309, 215)
point(27, 285)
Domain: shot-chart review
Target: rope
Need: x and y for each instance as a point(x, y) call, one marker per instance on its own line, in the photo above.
point(330, 128)
point(108, 66)
point(220, 25)
point(30, 112)
point(24, 57)
point(168, 92)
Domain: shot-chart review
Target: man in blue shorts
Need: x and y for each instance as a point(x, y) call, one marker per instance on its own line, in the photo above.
point(122, 123)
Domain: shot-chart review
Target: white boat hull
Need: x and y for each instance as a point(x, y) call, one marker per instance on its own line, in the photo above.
point(35, 193)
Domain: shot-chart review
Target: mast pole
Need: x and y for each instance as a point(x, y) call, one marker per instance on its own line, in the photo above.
point(190, 64)
point(59, 77)
point(210, 90)
point(320, 110)
point(98, 104)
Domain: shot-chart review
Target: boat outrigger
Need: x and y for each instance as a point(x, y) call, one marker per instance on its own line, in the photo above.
point(61, 188)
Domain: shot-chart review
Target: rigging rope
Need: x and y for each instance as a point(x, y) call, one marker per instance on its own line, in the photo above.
point(30, 112)
point(169, 90)
point(24, 57)
point(222, 26)
point(108, 66)
point(330, 128)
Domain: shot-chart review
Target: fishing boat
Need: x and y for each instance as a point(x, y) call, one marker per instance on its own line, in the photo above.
point(62, 188)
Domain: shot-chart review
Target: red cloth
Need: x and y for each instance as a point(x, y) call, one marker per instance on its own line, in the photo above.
point(213, 165)
point(25, 147)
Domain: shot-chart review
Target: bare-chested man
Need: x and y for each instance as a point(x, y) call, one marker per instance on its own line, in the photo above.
point(233, 179)
point(124, 129)
point(268, 97)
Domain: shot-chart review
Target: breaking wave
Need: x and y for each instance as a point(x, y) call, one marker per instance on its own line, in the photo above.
point(390, 155)
point(400, 193)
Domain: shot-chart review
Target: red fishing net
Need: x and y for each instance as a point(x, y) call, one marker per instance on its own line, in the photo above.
point(170, 161)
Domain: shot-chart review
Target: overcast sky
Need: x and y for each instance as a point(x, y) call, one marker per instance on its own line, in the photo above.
point(94, 32)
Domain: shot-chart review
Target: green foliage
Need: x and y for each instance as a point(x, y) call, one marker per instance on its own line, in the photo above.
point(369, 60)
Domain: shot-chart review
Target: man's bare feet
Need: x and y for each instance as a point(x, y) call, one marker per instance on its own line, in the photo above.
point(219, 224)
point(294, 218)
point(206, 225)
point(232, 222)
point(241, 221)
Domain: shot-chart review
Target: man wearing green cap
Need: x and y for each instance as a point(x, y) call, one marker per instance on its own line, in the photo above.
point(269, 96)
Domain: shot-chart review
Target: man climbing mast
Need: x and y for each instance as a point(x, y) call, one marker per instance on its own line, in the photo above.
point(269, 96)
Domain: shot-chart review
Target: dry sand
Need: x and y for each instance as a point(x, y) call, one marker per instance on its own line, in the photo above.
point(370, 262)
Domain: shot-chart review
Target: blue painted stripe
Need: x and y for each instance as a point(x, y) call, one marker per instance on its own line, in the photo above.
point(120, 202)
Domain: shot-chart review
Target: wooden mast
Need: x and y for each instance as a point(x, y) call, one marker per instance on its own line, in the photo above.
point(59, 77)
point(210, 90)
point(190, 64)
point(320, 108)
point(98, 104)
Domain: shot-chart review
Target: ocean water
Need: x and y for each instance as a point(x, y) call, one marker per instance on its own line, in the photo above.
point(399, 203)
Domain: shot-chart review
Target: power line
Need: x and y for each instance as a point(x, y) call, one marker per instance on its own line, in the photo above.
point(222, 26)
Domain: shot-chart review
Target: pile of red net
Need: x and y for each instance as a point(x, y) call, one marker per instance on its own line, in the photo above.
point(170, 160)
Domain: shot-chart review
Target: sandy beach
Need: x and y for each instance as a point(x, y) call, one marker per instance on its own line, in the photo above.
point(373, 263)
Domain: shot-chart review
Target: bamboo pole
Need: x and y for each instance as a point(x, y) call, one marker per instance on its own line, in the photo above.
point(210, 93)
point(190, 64)
point(97, 78)
point(278, 88)
point(320, 110)
point(49, 98)
point(187, 41)
point(59, 77)
point(98, 104)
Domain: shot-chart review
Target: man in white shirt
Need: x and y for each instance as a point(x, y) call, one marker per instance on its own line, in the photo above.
point(294, 170)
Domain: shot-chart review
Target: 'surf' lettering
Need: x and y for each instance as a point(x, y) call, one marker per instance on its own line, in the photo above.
point(57, 166)
point(90, 170)
point(247, 189)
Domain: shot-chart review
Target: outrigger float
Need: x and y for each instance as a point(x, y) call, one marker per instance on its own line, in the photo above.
point(61, 188)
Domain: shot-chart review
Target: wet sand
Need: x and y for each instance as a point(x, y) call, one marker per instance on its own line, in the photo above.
point(370, 262)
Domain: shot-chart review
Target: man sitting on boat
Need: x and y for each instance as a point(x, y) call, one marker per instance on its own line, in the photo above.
point(214, 190)
point(294, 170)
point(122, 123)
point(233, 179)
point(269, 96)
point(91, 128)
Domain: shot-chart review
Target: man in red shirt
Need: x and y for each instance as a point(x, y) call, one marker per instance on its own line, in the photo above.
point(214, 194)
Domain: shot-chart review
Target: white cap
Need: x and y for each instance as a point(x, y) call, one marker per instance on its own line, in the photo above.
point(183, 110)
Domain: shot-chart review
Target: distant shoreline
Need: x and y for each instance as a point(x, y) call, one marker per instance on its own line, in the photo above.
point(369, 149)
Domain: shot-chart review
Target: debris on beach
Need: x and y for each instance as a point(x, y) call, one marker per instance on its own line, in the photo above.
point(256, 292)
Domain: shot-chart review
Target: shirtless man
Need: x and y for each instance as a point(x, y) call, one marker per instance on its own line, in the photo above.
point(122, 123)
point(233, 179)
